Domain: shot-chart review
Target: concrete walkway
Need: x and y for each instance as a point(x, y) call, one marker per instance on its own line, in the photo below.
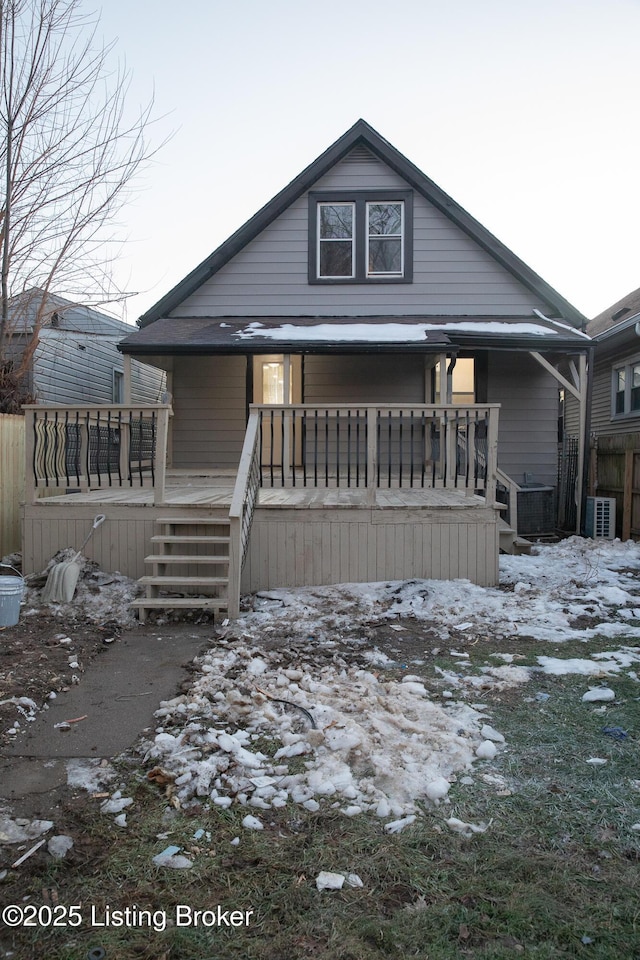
point(118, 694)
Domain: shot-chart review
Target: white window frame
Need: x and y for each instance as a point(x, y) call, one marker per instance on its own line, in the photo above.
point(321, 240)
point(391, 236)
point(627, 366)
point(360, 200)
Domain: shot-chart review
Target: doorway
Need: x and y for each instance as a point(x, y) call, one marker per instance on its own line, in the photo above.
point(277, 381)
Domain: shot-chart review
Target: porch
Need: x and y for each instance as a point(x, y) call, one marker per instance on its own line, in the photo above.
point(320, 495)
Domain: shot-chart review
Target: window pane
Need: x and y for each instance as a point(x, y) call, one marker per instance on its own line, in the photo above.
point(336, 258)
point(336, 221)
point(273, 382)
point(385, 255)
point(635, 375)
point(385, 219)
point(620, 380)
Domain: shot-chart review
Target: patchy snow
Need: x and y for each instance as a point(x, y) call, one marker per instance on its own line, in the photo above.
point(101, 597)
point(268, 722)
point(374, 744)
point(391, 332)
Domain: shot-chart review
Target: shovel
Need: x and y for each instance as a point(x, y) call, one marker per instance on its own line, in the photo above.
point(63, 578)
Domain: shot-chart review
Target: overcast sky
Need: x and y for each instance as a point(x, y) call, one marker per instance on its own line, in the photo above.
point(525, 113)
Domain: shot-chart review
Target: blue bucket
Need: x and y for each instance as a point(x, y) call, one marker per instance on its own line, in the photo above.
point(11, 593)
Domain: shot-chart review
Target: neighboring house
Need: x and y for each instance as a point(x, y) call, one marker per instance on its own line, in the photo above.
point(615, 409)
point(353, 374)
point(70, 353)
point(76, 359)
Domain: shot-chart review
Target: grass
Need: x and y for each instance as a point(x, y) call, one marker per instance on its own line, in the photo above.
point(554, 876)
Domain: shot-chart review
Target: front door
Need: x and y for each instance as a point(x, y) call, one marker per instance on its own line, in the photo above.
point(277, 381)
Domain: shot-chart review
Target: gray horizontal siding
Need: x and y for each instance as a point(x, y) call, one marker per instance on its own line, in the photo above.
point(367, 379)
point(528, 424)
point(209, 404)
point(452, 275)
point(78, 368)
point(602, 421)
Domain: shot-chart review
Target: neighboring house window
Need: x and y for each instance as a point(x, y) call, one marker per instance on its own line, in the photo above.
point(361, 237)
point(118, 386)
point(626, 389)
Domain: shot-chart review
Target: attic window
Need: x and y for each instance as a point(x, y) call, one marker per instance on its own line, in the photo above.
point(361, 237)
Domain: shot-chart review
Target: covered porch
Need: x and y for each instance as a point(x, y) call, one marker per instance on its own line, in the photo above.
point(320, 494)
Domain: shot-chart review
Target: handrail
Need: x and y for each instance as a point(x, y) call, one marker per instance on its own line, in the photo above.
point(513, 488)
point(243, 503)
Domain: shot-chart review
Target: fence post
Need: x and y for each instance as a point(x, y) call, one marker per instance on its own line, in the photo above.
point(627, 497)
point(29, 449)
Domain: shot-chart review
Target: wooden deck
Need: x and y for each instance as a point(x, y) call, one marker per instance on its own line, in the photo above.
point(216, 494)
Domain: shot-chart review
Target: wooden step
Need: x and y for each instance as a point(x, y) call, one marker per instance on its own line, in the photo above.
point(187, 582)
point(177, 538)
point(145, 604)
point(195, 521)
point(161, 603)
point(185, 558)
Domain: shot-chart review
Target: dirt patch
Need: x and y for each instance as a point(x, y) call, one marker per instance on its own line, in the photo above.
point(36, 658)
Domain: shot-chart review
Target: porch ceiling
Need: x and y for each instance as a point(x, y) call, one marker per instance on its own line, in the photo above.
point(372, 334)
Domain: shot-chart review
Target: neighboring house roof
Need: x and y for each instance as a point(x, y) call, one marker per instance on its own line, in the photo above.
point(616, 318)
point(361, 134)
point(60, 314)
point(345, 334)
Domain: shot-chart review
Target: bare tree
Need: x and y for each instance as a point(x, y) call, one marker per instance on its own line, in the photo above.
point(69, 151)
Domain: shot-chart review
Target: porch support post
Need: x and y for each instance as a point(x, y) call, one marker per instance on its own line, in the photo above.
point(580, 392)
point(581, 440)
point(161, 455)
point(443, 378)
point(127, 379)
point(492, 456)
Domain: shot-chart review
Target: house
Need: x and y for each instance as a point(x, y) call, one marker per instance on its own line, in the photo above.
point(71, 355)
point(356, 376)
point(615, 411)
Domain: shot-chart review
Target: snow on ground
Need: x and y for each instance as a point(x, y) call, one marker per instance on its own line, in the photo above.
point(364, 742)
point(296, 703)
point(283, 711)
point(100, 597)
point(540, 597)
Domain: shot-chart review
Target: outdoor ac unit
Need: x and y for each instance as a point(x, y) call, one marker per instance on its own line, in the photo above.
point(601, 518)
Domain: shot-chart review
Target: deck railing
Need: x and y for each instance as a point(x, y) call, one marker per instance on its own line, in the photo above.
point(372, 447)
point(96, 447)
point(367, 447)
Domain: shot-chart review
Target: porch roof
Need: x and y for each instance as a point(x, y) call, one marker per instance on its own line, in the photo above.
point(371, 334)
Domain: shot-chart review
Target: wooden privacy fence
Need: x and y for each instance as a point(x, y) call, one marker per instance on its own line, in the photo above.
point(614, 471)
point(11, 481)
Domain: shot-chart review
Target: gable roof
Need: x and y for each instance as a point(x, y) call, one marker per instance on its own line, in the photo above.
point(58, 313)
point(616, 315)
point(362, 134)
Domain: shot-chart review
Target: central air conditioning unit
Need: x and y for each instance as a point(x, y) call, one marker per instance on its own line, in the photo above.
point(601, 518)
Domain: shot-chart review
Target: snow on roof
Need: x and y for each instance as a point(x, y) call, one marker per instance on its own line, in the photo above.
point(398, 332)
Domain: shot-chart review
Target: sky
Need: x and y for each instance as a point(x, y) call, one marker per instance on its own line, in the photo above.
point(526, 114)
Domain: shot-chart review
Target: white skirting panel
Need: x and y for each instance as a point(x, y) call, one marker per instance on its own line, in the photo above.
point(294, 548)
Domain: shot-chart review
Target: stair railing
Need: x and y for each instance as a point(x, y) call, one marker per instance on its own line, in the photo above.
point(243, 504)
